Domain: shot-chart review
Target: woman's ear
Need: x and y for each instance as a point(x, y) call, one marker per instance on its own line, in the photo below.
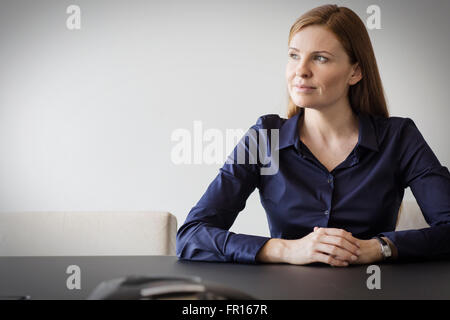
point(356, 75)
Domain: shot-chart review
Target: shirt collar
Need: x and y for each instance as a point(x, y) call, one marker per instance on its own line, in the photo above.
point(367, 137)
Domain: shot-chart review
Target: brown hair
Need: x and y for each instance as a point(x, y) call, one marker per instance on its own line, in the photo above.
point(367, 96)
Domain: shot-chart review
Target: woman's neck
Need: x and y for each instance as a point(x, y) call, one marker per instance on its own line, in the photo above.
point(329, 125)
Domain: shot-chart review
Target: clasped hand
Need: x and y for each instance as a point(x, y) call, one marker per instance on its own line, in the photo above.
point(336, 247)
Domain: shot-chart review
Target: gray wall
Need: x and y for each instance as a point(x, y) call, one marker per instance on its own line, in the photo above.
point(86, 116)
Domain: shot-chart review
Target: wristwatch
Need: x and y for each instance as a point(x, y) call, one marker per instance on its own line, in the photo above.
point(385, 248)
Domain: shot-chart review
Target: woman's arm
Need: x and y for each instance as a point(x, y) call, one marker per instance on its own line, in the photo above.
point(204, 235)
point(430, 183)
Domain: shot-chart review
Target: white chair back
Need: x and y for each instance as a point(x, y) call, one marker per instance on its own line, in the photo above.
point(87, 233)
point(410, 216)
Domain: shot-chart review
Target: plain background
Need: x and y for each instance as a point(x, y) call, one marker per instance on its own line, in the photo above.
point(86, 116)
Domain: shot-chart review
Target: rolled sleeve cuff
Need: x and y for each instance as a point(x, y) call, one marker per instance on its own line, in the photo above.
point(410, 244)
point(244, 248)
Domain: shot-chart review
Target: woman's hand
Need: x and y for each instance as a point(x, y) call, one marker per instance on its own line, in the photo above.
point(371, 251)
point(336, 247)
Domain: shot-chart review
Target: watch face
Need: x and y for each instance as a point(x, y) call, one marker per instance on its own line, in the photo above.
point(387, 251)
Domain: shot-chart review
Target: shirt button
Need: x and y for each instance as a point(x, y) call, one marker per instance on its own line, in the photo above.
point(326, 212)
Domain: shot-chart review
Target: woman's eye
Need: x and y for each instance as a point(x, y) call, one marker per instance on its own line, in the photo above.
point(324, 59)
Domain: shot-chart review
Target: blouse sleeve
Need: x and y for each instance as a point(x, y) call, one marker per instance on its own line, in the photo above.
point(205, 234)
point(430, 184)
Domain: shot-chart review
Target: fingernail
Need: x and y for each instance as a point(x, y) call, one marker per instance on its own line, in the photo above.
point(354, 258)
point(358, 252)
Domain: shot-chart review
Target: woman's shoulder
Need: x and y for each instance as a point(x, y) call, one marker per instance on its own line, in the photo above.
point(384, 126)
point(269, 121)
point(394, 125)
point(392, 121)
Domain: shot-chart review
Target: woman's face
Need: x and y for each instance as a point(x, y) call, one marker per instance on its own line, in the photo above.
point(330, 72)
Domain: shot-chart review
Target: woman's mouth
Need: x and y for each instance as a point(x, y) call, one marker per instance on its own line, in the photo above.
point(304, 89)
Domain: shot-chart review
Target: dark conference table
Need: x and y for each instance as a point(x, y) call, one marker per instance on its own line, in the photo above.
point(46, 277)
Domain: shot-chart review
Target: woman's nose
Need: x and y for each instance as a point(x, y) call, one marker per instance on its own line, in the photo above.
point(302, 70)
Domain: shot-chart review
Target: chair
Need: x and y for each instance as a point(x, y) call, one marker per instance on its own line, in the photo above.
point(410, 216)
point(87, 233)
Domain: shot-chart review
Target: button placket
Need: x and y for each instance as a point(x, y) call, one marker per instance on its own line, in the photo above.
point(330, 181)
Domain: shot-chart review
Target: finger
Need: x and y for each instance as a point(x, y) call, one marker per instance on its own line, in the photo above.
point(340, 233)
point(325, 258)
point(360, 260)
point(336, 251)
point(340, 242)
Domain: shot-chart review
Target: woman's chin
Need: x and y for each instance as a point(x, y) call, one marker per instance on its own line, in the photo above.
point(308, 103)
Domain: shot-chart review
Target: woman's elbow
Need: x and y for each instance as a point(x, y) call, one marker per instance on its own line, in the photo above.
point(184, 233)
point(180, 244)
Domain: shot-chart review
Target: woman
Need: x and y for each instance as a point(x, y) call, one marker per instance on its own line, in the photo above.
point(343, 166)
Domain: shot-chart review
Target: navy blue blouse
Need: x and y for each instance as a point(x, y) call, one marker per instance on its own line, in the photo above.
point(361, 195)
